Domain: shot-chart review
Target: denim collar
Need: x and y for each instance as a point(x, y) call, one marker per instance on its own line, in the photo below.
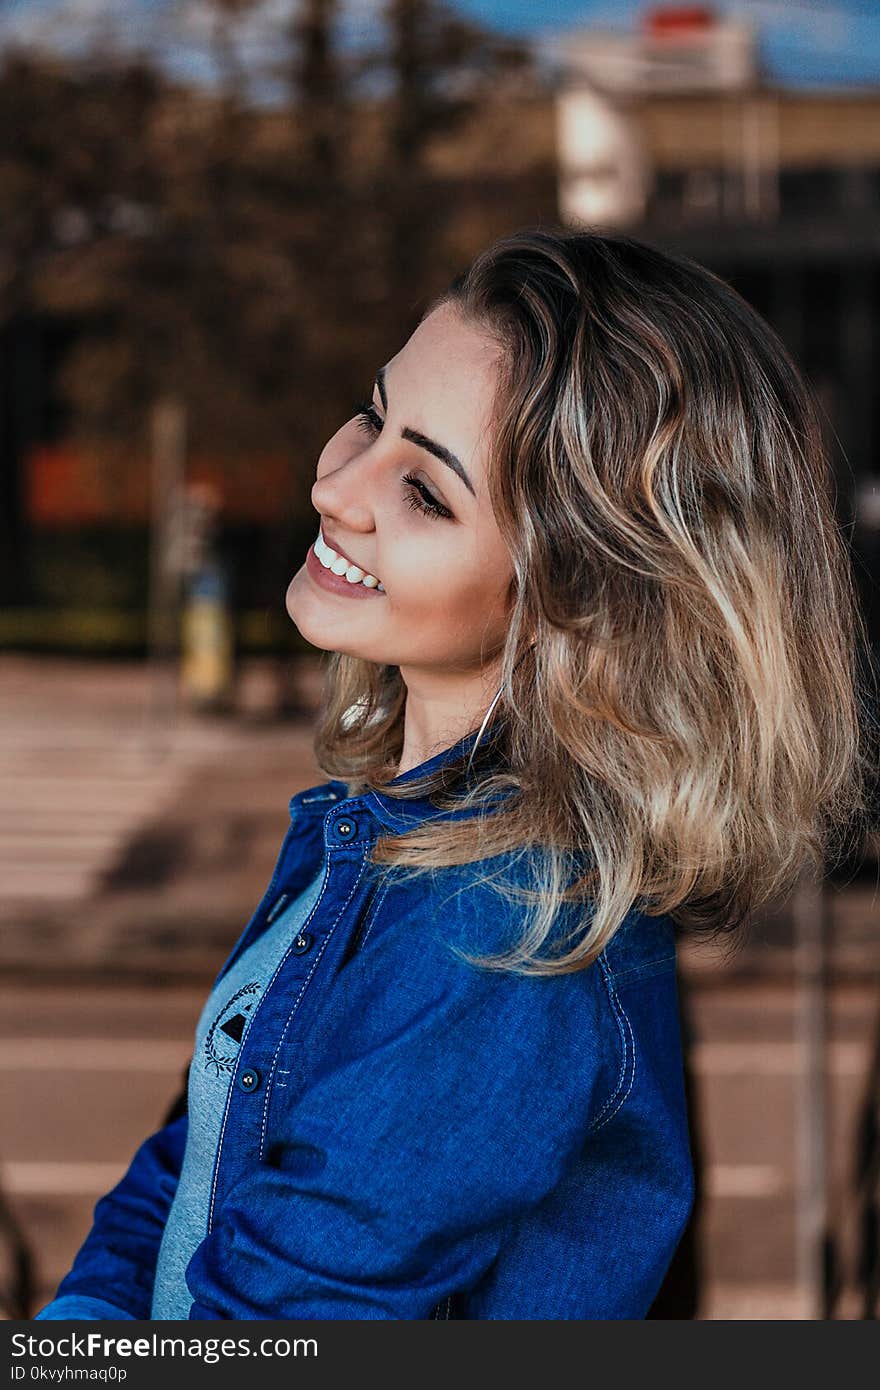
point(404, 815)
point(397, 815)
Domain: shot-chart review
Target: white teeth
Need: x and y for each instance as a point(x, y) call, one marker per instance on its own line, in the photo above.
point(338, 564)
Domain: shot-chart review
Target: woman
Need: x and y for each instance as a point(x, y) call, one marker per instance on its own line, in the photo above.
point(591, 684)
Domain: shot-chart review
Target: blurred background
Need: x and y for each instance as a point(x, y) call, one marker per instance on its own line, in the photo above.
point(217, 219)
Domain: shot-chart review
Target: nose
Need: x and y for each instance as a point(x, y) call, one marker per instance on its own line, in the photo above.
point(341, 495)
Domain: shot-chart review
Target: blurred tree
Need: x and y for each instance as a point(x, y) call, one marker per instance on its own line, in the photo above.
point(319, 91)
point(260, 260)
point(444, 67)
point(70, 163)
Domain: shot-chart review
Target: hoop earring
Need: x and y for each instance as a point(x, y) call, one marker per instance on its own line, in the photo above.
point(495, 700)
point(496, 697)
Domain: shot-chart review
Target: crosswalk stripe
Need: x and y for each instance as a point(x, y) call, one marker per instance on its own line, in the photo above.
point(73, 796)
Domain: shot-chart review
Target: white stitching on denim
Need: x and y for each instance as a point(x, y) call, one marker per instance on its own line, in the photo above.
point(296, 1001)
point(643, 969)
point(216, 1172)
point(606, 974)
point(299, 996)
point(373, 912)
point(632, 1078)
point(615, 1009)
point(445, 1305)
point(620, 1013)
point(315, 905)
point(230, 961)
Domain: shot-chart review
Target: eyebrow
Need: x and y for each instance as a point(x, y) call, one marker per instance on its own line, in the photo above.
point(416, 437)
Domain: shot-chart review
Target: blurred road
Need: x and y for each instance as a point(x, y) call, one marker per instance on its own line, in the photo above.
point(131, 858)
point(131, 843)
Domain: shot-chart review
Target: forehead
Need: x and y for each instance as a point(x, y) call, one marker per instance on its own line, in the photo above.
point(449, 366)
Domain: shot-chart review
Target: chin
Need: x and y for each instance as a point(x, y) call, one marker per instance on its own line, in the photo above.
point(290, 597)
point(315, 634)
point(297, 613)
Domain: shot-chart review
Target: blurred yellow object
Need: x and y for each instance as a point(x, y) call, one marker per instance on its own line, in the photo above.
point(207, 646)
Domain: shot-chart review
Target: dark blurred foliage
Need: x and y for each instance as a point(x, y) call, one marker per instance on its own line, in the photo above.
point(259, 260)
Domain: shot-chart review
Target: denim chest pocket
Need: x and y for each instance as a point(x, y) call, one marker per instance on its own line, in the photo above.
point(370, 911)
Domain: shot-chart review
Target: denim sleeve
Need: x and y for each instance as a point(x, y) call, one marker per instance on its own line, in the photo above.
point(116, 1264)
point(447, 1102)
point(77, 1307)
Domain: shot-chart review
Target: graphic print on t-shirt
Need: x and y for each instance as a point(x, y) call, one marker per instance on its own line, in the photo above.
point(224, 1036)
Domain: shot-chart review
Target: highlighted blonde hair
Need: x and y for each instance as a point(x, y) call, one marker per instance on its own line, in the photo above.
point(682, 699)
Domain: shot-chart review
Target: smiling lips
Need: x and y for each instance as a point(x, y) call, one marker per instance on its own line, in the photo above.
point(322, 566)
point(340, 564)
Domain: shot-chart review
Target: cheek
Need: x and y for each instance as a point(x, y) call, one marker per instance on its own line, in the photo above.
point(454, 593)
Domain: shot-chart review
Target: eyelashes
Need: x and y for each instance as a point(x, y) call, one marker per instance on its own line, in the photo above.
point(417, 496)
point(421, 500)
point(369, 418)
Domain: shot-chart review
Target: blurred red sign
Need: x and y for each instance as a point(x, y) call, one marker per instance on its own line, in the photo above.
point(677, 19)
point(69, 485)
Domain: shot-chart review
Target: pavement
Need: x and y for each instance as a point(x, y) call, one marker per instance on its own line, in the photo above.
point(135, 842)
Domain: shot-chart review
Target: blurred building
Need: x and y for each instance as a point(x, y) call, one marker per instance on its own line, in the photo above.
point(673, 134)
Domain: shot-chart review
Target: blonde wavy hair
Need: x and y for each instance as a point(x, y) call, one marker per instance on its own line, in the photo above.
point(682, 726)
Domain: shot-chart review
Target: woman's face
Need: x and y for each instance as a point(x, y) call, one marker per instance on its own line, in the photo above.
point(445, 574)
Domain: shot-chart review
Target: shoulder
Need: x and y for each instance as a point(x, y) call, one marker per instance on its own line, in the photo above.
point(641, 947)
point(419, 933)
point(483, 908)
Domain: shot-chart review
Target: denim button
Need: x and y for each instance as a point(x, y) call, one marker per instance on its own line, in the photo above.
point(346, 828)
point(277, 906)
point(249, 1079)
point(302, 942)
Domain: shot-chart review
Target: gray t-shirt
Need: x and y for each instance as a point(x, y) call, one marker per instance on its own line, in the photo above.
point(223, 1022)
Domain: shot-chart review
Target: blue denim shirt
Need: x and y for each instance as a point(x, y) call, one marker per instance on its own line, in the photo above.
point(230, 1009)
point(449, 1142)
